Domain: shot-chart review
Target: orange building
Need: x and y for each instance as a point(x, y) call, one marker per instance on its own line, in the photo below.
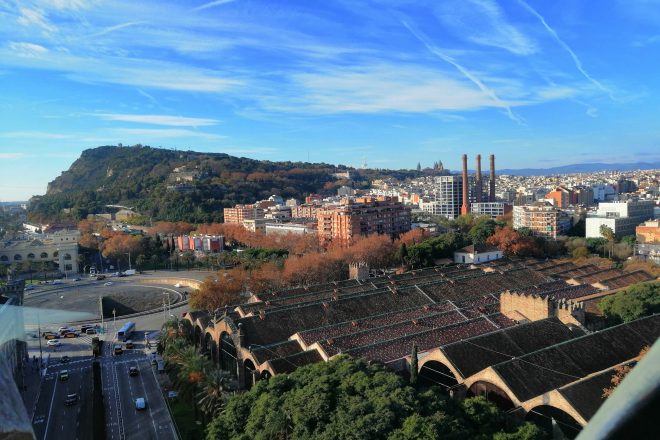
point(363, 216)
point(562, 196)
point(242, 212)
point(648, 232)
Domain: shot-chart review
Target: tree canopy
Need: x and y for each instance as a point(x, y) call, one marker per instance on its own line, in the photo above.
point(350, 399)
point(638, 300)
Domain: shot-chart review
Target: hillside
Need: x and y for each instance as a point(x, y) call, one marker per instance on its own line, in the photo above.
point(179, 185)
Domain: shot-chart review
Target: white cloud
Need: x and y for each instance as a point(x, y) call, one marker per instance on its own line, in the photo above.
point(212, 4)
point(12, 156)
point(174, 121)
point(35, 18)
point(29, 50)
point(567, 48)
point(116, 28)
point(33, 135)
point(158, 133)
point(469, 75)
point(484, 22)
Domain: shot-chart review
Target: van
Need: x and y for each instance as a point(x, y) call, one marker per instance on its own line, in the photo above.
point(118, 350)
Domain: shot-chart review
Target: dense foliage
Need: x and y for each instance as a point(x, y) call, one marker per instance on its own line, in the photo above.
point(143, 178)
point(349, 399)
point(636, 301)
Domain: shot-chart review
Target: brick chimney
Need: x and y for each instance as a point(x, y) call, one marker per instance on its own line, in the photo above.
point(491, 197)
point(465, 208)
point(477, 183)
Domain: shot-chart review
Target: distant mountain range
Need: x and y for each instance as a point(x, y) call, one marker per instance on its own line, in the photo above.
point(580, 168)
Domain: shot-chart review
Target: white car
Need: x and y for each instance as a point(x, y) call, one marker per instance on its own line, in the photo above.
point(109, 283)
point(54, 343)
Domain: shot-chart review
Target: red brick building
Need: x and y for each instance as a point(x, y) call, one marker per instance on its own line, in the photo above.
point(363, 216)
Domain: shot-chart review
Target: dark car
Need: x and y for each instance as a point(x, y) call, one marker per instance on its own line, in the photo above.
point(133, 371)
point(100, 277)
point(64, 359)
point(71, 399)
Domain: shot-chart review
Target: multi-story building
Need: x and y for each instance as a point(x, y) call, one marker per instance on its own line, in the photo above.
point(447, 200)
point(306, 210)
point(621, 217)
point(542, 218)
point(561, 196)
point(583, 195)
point(239, 213)
point(255, 224)
point(290, 228)
point(648, 241)
point(208, 243)
point(490, 209)
point(12, 330)
point(60, 247)
point(363, 216)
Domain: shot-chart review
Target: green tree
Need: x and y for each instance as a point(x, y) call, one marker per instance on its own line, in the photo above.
point(638, 300)
point(484, 228)
point(608, 234)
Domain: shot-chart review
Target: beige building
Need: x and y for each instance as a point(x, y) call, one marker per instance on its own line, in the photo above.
point(239, 213)
point(542, 218)
point(60, 247)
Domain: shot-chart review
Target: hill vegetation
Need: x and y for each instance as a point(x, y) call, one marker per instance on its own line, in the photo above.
point(187, 186)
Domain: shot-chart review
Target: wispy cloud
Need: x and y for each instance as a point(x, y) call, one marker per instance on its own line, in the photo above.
point(33, 135)
point(115, 28)
point(173, 121)
point(35, 18)
point(157, 133)
point(484, 22)
point(567, 48)
point(485, 89)
point(212, 4)
point(143, 73)
point(12, 156)
point(29, 50)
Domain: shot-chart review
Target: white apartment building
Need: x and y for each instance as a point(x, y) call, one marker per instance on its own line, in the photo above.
point(491, 209)
point(621, 217)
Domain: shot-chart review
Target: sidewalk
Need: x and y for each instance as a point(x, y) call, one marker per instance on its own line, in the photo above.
point(31, 386)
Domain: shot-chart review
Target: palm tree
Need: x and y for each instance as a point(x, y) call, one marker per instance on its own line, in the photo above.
point(608, 234)
point(213, 391)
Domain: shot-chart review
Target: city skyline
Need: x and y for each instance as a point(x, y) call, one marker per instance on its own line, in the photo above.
point(538, 85)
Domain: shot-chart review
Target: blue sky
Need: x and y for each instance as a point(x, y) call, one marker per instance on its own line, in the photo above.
point(391, 82)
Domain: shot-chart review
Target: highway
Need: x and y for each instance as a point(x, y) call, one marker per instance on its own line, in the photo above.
point(123, 420)
point(53, 420)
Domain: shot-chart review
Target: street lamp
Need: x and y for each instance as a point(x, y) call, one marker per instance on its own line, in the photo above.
point(114, 321)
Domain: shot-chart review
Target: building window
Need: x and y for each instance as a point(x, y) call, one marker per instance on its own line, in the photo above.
point(17, 257)
point(44, 255)
point(56, 254)
point(68, 267)
point(67, 256)
point(30, 256)
point(4, 258)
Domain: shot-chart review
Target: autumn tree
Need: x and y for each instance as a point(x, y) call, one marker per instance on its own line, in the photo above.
point(119, 245)
point(621, 372)
point(509, 241)
point(221, 289)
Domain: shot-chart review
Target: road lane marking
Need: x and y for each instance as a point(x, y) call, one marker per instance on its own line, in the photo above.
point(50, 409)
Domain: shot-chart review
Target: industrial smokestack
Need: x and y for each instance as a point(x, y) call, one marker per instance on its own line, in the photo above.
point(477, 180)
point(465, 209)
point(491, 197)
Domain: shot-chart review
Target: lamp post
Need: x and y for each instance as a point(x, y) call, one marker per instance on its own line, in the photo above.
point(114, 321)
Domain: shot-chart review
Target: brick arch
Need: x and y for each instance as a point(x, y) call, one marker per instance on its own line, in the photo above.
point(545, 415)
point(554, 399)
point(437, 355)
point(489, 378)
